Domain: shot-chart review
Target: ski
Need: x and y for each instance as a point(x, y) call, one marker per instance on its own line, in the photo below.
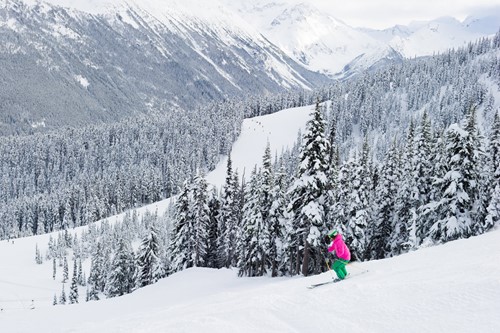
point(312, 286)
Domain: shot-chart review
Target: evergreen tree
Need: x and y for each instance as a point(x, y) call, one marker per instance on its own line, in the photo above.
point(308, 197)
point(493, 209)
point(358, 205)
point(62, 299)
point(65, 270)
point(275, 251)
point(149, 263)
point(201, 221)
point(73, 293)
point(458, 187)
point(214, 212)
point(380, 243)
point(121, 278)
point(97, 274)
point(406, 199)
point(182, 245)
point(228, 219)
point(81, 277)
point(251, 236)
point(38, 256)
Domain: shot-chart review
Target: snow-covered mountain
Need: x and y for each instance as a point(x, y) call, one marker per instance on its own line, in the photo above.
point(326, 44)
point(71, 62)
point(317, 40)
point(426, 38)
point(103, 61)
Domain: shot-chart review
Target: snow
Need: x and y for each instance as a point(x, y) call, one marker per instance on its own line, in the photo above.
point(279, 129)
point(313, 38)
point(82, 80)
point(450, 288)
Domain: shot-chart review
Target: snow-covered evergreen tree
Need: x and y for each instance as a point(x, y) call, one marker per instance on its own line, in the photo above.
point(308, 196)
point(493, 210)
point(97, 274)
point(149, 263)
point(380, 243)
point(65, 270)
point(455, 207)
point(251, 240)
point(276, 225)
point(73, 292)
point(406, 201)
point(182, 246)
point(121, 278)
point(201, 221)
point(358, 211)
point(228, 219)
point(214, 212)
point(62, 298)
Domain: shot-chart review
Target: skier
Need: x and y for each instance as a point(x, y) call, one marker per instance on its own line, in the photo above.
point(340, 249)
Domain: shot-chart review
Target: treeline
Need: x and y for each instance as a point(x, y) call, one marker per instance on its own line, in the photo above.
point(74, 177)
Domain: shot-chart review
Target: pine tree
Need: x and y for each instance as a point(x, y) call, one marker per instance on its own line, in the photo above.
point(54, 301)
point(265, 201)
point(81, 277)
point(54, 268)
point(149, 263)
point(308, 197)
point(201, 221)
point(181, 246)
point(214, 212)
point(458, 188)
point(65, 270)
point(493, 217)
point(97, 274)
point(121, 278)
point(73, 293)
point(228, 219)
point(250, 247)
point(275, 251)
point(38, 256)
point(380, 243)
point(62, 299)
point(358, 204)
point(493, 209)
point(407, 196)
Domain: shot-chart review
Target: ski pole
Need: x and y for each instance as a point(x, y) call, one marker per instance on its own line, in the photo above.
point(329, 269)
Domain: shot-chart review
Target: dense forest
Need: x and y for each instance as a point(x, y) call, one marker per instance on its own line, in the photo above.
point(397, 160)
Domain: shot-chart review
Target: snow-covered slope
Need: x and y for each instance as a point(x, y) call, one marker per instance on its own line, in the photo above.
point(449, 288)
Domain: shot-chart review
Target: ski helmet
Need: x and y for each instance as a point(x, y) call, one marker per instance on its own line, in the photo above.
point(333, 233)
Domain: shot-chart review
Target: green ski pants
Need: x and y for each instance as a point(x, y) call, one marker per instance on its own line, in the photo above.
point(339, 268)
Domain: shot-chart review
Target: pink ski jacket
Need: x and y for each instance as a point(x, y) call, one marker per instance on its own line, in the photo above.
point(340, 248)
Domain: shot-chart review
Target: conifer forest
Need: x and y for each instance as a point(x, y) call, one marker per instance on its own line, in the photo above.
point(403, 157)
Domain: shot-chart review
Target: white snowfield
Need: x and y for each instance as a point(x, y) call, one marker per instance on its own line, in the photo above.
point(450, 288)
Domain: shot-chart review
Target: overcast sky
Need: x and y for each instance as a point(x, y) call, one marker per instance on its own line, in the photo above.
point(386, 13)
